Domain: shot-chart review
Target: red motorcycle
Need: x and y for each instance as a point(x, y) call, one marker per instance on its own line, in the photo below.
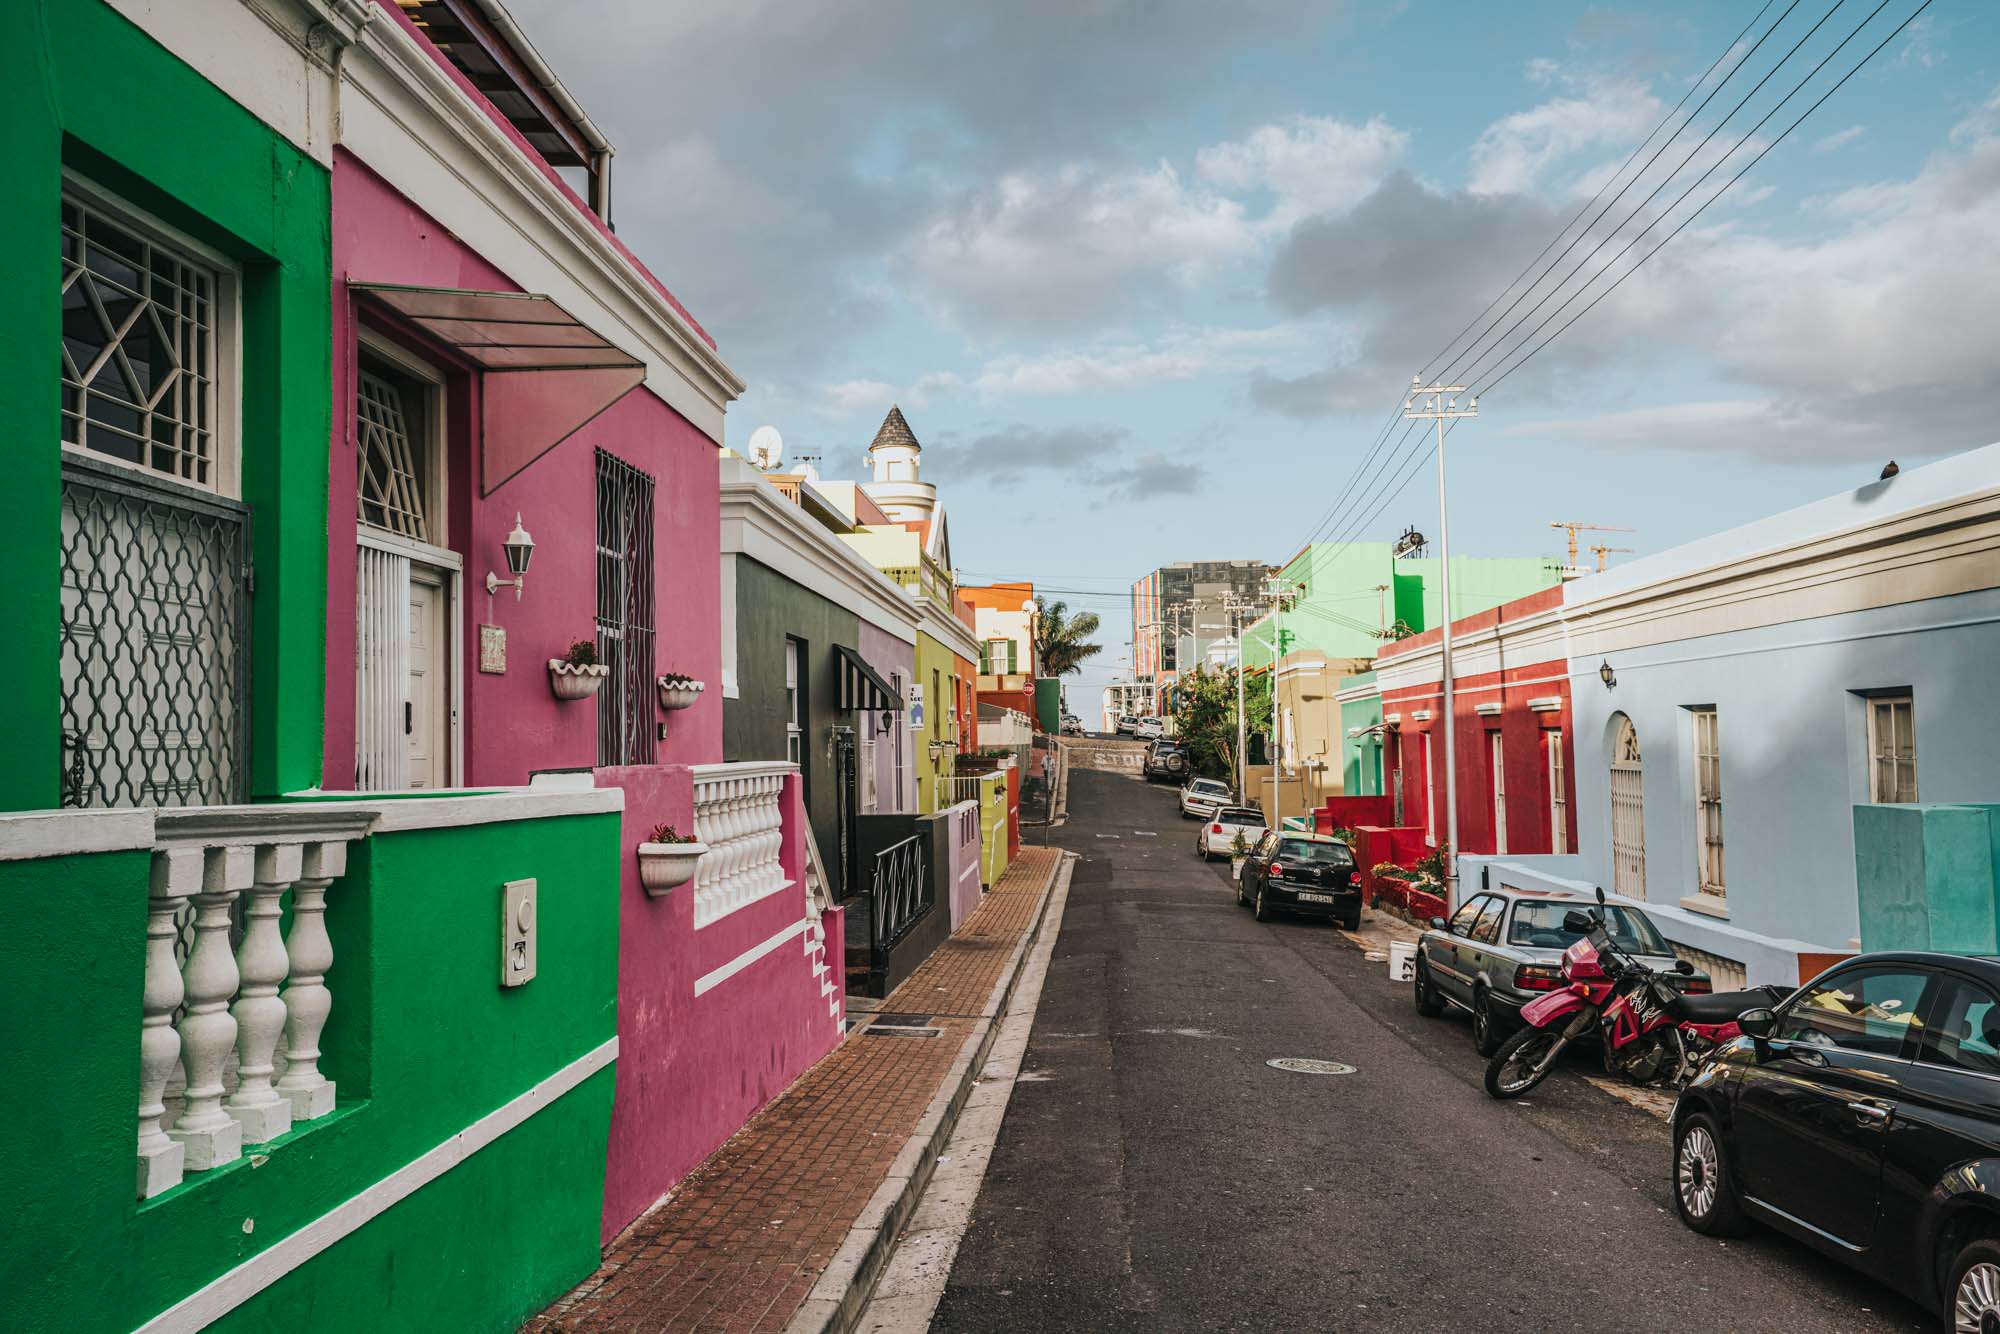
point(1651, 1030)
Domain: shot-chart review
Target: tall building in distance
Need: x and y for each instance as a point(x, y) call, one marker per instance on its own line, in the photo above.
point(1180, 614)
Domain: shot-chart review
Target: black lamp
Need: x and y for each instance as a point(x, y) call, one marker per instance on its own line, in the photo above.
point(1606, 675)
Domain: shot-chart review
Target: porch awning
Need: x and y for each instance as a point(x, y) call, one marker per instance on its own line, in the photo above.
point(861, 686)
point(545, 373)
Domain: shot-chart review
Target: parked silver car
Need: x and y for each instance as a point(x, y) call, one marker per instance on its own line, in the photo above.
point(1203, 797)
point(1503, 947)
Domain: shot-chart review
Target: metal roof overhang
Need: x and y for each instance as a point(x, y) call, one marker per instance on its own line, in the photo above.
point(544, 373)
point(861, 686)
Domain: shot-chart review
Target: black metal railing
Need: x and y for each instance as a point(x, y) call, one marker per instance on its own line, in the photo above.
point(900, 892)
point(155, 641)
point(625, 708)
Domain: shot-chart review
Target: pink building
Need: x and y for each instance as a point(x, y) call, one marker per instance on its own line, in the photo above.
point(505, 371)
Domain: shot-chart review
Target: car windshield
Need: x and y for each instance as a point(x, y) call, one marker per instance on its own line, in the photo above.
point(1315, 854)
point(1207, 787)
point(1249, 815)
point(1541, 925)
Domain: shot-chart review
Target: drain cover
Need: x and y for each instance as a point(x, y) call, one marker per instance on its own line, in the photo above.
point(903, 1020)
point(889, 1031)
point(1306, 1065)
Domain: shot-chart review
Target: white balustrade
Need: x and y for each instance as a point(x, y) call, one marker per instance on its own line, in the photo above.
point(266, 1001)
point(739, 815)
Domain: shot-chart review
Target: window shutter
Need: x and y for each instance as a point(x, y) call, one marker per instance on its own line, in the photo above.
point(1011, 668)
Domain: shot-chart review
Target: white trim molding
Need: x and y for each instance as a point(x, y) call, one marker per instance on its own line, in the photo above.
point(716, 976)
point(1487, 708)
point(33, 835)
point(236, 1286)
point(1420, 715)
point(1545, 704)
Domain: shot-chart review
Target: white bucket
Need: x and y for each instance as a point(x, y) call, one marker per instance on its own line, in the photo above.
point(1402, 960)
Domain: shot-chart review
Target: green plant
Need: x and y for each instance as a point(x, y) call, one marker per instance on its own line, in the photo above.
point(1347, 836)
point(1239, 846)
point(583, 653)
point(1205, 717)
point(1390, 871)
point(1435, 864)
point(664, 833)
point(1062, 640)
point(675, 680)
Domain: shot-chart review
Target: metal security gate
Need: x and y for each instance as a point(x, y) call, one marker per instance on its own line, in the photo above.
point(625, 709)
point(1628, 812)
point(900, 893)
point(155, 642)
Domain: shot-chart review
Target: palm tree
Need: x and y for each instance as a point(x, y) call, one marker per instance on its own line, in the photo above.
point(1060, 638)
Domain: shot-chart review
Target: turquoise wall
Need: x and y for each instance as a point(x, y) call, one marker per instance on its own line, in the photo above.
point(1928, 877)
point(1361, 757)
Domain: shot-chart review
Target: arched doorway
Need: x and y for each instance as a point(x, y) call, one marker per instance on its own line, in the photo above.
point(1628, 810)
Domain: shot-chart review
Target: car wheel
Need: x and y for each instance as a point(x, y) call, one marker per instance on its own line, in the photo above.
point(1240, 900)
point(1705, 1194)
point(1486, 1037)
point(1264, 913)
point(1429, 1004)
point(1974, 1299)
point(1352, 921)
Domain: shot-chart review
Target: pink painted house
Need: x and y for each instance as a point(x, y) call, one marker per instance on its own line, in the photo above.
point(513, 388)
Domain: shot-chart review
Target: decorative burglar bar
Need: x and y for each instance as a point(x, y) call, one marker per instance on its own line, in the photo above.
point(900, 891)
point(625, 611)
point(155, 641)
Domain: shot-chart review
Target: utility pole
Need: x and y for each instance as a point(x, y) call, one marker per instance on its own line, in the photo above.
point(1277, 590)
point(1236, 609)
point(1440, 404)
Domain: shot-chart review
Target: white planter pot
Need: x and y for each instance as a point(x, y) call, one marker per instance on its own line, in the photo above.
point(680, 696)
point(1236, 867)
point(664, 865)
point(572, 682)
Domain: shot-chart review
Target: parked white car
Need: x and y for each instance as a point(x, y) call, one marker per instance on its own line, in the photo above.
point(1203, 797)
point(1218, 834)
point(1148, 729)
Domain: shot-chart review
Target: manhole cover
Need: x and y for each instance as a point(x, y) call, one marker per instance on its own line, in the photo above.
point(1306, 1065)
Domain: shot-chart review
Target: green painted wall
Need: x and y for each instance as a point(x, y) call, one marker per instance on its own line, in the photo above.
point(769, 608)
point(935, 665)
point(1928, 877)
point(81, 87)
point(422, 1041)
point(1361, 757)
point(1048, 704)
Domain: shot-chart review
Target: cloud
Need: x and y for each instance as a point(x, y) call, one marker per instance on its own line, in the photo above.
point(1096, 458)
point(1838, 139)
point(1310, 163)
point(1513, 154)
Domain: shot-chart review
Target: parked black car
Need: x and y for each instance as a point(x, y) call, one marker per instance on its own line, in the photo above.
point(1167, 762)
point(1862, 1116)
point(1310, 874)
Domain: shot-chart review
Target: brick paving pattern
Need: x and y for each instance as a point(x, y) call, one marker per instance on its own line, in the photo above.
point(742, 1240)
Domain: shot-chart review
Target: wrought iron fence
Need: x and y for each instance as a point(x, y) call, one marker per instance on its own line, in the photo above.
point(900, 892)
point(625, 710)
point(155, 641)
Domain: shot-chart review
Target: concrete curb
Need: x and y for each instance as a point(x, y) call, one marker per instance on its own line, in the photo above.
point(836, 1301)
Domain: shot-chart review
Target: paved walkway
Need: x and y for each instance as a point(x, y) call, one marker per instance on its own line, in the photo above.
point(742, 1240)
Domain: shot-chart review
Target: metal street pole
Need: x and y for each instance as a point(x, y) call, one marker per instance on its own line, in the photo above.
point(1443, 403)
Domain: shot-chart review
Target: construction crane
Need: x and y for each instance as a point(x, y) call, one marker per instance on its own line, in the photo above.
point(1575, 527)
point(1602, 552)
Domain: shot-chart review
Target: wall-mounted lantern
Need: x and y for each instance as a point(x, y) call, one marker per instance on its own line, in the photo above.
point(1606, 675)
point(520, 549)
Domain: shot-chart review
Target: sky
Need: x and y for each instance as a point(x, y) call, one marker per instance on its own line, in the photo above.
point(1149, 278)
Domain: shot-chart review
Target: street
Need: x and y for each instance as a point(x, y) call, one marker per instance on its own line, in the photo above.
point(1153, 1172)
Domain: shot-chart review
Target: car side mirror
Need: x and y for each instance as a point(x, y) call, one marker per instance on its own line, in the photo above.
point(1683, 967)
point(1759, 1023)
point(1437, 924)
point(1577, 922)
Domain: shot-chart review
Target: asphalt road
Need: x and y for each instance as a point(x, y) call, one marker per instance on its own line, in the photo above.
point(1154, 1174)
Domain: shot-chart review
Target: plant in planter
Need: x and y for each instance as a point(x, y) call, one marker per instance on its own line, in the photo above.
point(678, 691)
point(668, 858)
point(578, 674)
point(1239, 848)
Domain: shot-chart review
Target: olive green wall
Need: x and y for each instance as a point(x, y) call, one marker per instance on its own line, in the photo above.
point(770, 608)
point(83, 88)
point(935, 665)
point(422, 1041)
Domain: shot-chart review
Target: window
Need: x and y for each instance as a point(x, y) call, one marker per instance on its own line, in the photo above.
point(142, 352)
point(1430, 794)
point(397, 452)
point(625, 732)
point(1499, 753)
point(1708, 801)
point(1539, 923)
point(1964, 1028)
point(1486, 927)
point(794, 706)
point(1892, 749)
point(1628, 810)
point(1310, 853)
point(1462, 920)
point(1558, 792)
point(1871, 1010)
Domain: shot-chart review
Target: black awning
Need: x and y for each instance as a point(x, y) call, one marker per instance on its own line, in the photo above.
point(861, 686)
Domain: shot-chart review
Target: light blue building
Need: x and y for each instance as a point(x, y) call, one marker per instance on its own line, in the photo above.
point(1734, 700)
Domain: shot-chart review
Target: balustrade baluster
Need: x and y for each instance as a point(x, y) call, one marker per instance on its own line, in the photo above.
point(306, 999)
point(176, 875)
point(209, 1135)
point(260, 1015)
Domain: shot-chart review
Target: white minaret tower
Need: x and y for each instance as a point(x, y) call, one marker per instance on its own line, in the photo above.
point(894, 457)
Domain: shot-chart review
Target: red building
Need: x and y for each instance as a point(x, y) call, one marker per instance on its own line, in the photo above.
point(1515, 750)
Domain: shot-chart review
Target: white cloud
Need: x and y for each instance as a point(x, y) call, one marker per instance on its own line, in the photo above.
point(1182, 354)
point(1514, 153)
point(1839, 139)
point(1311, 164)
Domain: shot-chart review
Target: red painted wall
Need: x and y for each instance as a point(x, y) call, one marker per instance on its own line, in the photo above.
point(512, 723)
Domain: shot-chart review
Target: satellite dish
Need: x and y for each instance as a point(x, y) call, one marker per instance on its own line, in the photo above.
point(766, 447)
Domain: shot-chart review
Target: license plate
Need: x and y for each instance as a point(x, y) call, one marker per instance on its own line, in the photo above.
point(1314, 898)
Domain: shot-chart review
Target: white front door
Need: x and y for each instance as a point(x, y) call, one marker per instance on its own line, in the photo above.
point(1499, 796)
point(427, 707)
point(1628, 812)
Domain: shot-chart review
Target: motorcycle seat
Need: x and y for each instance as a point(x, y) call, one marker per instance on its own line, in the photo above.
point(1718, 1007)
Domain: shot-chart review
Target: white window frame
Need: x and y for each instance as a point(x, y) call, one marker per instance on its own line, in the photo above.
point(1430, 794)
point(1883, 750)
point(1558, 791)
point(225, 409)
point(794, 675)
point(1706, 732)
point(1497, 749)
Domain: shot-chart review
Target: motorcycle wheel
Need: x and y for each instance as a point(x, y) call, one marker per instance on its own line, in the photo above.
point(1523, 1061)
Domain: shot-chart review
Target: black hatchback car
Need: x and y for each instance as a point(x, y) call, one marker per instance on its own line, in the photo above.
point(1309, 874)
point(1862, 1116)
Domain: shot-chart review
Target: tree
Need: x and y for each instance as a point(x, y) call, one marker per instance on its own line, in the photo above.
point(1061, 640)
point(1205, 717)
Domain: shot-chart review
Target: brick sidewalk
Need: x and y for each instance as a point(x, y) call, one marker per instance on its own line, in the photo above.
point(742, 1240)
